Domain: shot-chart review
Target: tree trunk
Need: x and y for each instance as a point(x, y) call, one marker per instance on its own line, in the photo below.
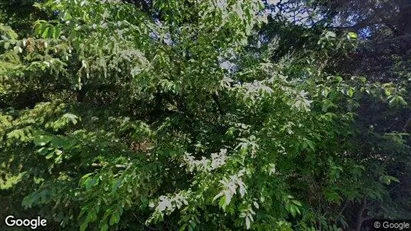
point(360, 215)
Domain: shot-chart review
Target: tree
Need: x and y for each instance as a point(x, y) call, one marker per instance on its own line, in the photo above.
point(381, 57)
point(183, 114)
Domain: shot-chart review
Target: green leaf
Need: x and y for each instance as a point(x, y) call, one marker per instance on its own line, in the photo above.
point(396, 100)
point(83, 226)
point(56, 32)
point(222, 202)
point(387, 179)
point(114, 219)
point(296, 202)
point(247, 222)
point(352, 35)
point(45, 33)
point(350, 92)
point(104, 227)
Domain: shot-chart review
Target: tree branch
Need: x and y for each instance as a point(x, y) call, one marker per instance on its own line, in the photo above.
point(361, 219)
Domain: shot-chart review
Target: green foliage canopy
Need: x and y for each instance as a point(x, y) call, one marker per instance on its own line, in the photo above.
point(113, 117)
